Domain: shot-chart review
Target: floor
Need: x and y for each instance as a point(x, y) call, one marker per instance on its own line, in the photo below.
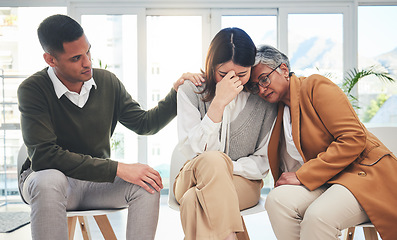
point(169, 227)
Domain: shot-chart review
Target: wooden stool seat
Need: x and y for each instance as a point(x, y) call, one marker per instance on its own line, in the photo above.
point(370, 232)
point(100, 217)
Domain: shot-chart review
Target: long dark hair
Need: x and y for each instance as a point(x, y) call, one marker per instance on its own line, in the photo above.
point(228, 44)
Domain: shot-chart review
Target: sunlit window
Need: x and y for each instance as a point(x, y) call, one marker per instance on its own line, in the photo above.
point(20, 50)
point(20, 56)
point(174, 46)
point(377, 49)
point(315, 44)
point(265, 34)
point(113, 40)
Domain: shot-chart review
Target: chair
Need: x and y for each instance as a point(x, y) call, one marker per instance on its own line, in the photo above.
point(370, 232)
point(177, 161)
point(387, 136)
point(100, 216)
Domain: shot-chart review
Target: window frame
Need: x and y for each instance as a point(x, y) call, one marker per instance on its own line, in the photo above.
point(211, 22)
point(212, 12)
point(350, 31)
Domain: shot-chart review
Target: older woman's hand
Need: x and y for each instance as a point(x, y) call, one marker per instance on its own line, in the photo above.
point(288, 178)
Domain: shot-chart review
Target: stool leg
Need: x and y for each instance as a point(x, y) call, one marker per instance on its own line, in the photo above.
point(85, 230)
point(349, 233)
point(71, 227)
point(105, 227)
point(243, 235)
point(370, 233)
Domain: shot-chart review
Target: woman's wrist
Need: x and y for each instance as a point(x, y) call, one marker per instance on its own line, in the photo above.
point(215, 111)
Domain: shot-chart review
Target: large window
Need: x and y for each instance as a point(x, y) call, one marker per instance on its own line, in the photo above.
point(315, 44)
point(149, 47)
point(262, 29)
point(20, 50)
point(113, 41)
point(377, 49)
point(20, 56)
point(174, 46)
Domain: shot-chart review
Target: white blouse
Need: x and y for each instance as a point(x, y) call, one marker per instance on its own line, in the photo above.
point(196, 135)
point(291, 159)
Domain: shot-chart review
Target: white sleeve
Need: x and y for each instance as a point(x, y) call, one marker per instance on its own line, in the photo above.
point(195, 135)
point(255, 166)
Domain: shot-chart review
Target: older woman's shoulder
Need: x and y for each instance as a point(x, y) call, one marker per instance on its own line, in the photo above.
point(314, 79)
point(317, 83)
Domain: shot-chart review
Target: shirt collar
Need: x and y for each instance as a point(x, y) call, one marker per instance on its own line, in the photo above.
point(61, 89)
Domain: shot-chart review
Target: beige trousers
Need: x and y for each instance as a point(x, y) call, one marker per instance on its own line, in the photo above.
point(211, 197)
point(298, 213)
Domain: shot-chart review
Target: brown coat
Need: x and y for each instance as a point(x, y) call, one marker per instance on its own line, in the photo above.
point(337, 148)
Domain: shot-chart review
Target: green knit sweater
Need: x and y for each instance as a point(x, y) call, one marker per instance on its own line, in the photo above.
point(60, 135)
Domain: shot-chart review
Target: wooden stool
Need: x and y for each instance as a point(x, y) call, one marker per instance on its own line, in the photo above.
point(100, 217)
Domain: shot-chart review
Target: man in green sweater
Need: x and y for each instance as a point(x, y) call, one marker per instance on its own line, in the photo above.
point(68, 113)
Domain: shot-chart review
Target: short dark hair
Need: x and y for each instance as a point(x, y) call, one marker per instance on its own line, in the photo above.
point(57, 29)
point(228, 44)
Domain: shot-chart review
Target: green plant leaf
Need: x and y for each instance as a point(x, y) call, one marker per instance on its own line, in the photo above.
point(354, 75)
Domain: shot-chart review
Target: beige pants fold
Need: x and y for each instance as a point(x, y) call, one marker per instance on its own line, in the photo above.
point(298, 213)
point(211, 197)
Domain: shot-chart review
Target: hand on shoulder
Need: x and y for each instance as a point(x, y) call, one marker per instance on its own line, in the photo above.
point(195, 78)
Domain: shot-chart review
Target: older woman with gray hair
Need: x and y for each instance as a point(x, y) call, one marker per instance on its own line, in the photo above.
point(330, 172)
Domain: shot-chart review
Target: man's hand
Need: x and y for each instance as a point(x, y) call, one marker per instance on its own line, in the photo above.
point(140, 174)
point(195, 78)
point(288, 178)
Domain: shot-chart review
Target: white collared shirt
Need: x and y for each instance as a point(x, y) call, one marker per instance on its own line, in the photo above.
point(291, 158)
point(79, 99)
point(197, 135)
point(207, 132)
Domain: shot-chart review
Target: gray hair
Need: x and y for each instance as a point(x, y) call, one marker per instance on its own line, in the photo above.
point(271, 57)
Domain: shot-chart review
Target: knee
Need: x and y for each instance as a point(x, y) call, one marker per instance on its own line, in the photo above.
point(277, 200)
point(213, 156)
point(274, 198)
point(149, 199)
point(214, 160)
point(49, 182)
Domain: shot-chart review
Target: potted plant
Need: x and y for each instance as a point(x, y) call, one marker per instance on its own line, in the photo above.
point(354, 75)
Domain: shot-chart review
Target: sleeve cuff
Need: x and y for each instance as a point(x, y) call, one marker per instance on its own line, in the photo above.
point(237, 168)
point(209, 126)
